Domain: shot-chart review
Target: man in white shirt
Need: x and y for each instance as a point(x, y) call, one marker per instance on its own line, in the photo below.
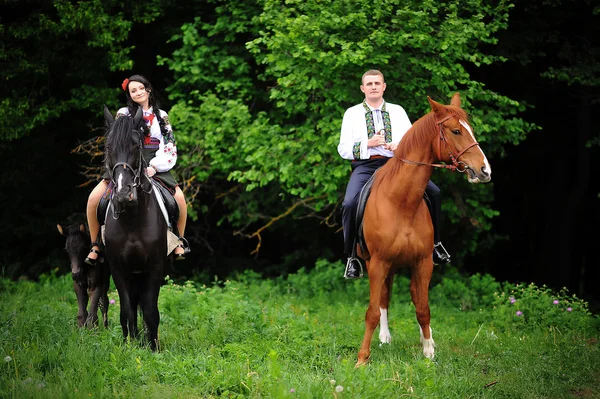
point(370, 133)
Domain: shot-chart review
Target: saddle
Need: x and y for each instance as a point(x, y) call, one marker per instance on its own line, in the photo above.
point(360, 212)
point(171, 209)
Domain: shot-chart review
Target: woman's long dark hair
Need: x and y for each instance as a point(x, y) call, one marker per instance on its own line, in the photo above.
point(152, 101)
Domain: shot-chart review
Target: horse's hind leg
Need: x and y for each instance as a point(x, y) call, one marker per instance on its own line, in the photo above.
point(104, 306)
point(377, 275)
point(384, 331)
point(419, 291)
point(134, 295)
point(104, 285)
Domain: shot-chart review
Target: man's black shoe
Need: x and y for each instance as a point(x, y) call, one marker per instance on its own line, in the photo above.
point(440, 256)
point(354, 268)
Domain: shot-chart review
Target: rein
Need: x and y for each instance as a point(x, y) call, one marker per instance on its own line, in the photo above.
point(457, 165)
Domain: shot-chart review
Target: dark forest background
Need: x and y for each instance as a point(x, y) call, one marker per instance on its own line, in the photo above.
point(546, 187)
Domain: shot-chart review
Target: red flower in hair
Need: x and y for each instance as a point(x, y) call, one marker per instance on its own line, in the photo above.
point(125, 84)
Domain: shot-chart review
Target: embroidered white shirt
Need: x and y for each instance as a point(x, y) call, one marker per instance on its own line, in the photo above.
point(165, 157)
point(354, 130)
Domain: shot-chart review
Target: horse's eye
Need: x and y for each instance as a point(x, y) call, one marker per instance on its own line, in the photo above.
point(456, 132)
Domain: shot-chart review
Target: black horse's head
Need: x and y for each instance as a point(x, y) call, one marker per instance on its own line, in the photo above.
point(123, 155)
point(77, 246)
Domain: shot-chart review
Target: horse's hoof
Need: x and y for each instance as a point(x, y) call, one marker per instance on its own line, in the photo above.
point(385, 339)
point(361, 363)
point(428, 350)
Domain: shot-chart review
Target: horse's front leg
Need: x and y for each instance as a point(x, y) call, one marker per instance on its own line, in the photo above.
point(149, 301)
point(92, 319)
point(126, 315)
point(419, 291)
point(82, 300)
point(385, 337)
point(377, 275)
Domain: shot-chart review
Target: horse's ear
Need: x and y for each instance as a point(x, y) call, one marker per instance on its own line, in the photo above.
point(139, 115)
point(108, 116)
point(60, 229)
point(455, 100)
point(437, 108)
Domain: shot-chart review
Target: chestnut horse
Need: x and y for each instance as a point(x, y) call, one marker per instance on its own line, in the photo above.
point(397, 225)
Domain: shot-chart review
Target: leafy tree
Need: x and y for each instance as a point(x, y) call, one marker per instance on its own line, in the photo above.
point(262, 89)
point(39, 44)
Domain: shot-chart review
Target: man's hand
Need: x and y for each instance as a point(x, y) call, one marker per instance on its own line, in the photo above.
point(391, 146)
point(377, 140)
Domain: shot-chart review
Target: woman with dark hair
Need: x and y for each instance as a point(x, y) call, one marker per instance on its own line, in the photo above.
point(160, 151)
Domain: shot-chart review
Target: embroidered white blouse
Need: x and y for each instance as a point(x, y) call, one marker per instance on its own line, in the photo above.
point(354, 130)
point(166, 151)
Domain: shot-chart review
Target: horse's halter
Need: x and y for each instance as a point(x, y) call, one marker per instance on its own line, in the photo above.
point(457, 165)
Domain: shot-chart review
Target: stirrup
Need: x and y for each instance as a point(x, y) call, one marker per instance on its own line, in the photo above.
point(90, 261)
point(440, 255)
point(186, 249)
point(354, 268)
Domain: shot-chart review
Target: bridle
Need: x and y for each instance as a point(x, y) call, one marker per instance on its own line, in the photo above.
point(137, 175)
point(457, 165)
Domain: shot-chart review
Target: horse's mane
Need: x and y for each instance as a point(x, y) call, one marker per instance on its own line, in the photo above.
point(420, 135)
point(118, 135)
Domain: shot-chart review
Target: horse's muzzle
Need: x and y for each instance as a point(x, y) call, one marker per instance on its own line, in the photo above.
point(479, 176)
point(127, 196)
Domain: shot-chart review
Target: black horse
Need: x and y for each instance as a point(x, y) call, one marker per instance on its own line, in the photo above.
point(89, 283)
point(135, 230)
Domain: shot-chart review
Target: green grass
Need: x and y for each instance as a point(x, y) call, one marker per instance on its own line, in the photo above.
point(299, 337)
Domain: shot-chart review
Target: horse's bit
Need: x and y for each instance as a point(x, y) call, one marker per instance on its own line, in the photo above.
point(457, 165)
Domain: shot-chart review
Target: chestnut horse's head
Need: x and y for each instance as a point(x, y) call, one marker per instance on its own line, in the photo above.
point(457, 144)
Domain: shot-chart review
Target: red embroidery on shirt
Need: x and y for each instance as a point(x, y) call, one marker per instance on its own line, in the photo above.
point(149, 119)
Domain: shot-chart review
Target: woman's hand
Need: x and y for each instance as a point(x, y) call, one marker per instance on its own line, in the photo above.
point(150, 171)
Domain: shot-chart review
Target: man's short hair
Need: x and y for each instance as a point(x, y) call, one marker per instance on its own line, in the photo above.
point(372, 72)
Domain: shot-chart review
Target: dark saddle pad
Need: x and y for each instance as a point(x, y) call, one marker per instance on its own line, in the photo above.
point(167, 197)
point(360, 211)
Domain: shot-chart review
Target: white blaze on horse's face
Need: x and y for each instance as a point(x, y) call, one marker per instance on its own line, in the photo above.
point(120, 182)
point(487, 169)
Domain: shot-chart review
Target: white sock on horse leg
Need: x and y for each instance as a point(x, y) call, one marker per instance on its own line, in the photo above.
point(384, 332)
point(428, 344)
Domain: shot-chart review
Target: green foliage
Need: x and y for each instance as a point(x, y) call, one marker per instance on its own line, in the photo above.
point(253, 338)
point(261, 90)
point(527, 307)
point(41, 81)
point(466, 293)
point(322, 281)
